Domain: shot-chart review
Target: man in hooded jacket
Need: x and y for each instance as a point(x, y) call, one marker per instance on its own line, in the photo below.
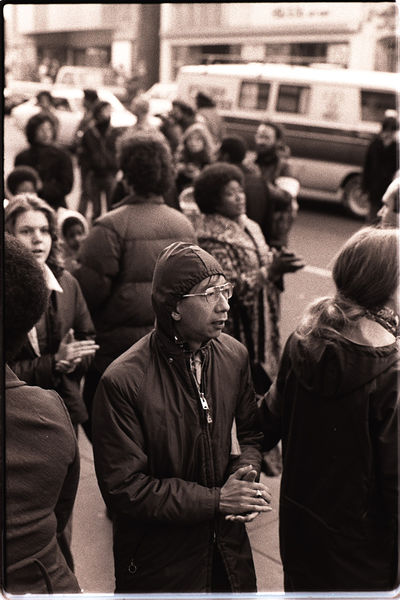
point(175, 440)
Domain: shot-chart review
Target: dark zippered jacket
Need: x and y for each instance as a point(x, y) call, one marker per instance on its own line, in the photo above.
point(161, 465)
point(69, 311)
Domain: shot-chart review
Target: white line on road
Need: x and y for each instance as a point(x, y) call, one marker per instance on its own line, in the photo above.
point(317, 271)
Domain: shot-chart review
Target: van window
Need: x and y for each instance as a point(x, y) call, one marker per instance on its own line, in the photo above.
point(67, 79)
point(293, 99)
point(253, 95)
point(374, 104)
point(61, 104)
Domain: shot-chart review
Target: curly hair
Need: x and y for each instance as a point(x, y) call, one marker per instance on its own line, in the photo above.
point(209, 185)
point(235, 147)
point(25, 294)
point(34, 123)
point(20, 174)
point(25, 202)
point(146, 162)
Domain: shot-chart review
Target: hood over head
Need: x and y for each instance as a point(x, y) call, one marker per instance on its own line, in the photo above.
point(65, 213)
point(179, 267)
point(332, 365)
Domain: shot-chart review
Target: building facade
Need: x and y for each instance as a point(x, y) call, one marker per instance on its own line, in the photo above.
point(355, 35)
point(150, 41)
point(122, 36)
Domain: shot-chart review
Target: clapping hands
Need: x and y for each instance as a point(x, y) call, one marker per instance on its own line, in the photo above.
point(70, 352)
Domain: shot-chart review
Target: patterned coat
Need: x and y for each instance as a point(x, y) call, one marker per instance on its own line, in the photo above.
point(254, 315)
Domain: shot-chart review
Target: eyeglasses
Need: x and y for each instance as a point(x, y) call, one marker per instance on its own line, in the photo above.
point(213, 293)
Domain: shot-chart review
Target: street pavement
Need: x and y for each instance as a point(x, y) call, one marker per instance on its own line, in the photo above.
point(92, 535)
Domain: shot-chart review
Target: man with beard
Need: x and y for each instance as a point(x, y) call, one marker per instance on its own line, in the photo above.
point(99, 154)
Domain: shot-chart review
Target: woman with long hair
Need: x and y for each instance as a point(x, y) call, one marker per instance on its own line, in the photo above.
point(196, 150)
point(57, 351)
point(335, 405)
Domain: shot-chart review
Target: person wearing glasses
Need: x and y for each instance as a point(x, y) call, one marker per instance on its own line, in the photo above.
point(175, 440)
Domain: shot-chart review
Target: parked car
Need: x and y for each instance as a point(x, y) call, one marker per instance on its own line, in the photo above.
point(12, 99)
point(69, 110)
point(160, 97)
point(91, 77)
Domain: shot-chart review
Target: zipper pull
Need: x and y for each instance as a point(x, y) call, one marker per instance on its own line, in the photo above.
point(203, 401)
point(205, 406)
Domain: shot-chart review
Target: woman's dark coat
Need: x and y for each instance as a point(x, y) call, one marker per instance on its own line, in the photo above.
point(117, 262)
point(336, 408)
point(41, 480)
point(161, 465)
point(66, 310)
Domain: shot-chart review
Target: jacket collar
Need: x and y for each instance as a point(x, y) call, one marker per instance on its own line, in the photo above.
point(51, 281)
point(136, 199)
point(179, 349)
point(12, 380)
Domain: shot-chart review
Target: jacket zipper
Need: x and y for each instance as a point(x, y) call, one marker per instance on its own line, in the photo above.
point(207, 420)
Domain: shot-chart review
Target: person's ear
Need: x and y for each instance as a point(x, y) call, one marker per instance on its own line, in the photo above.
point(176, 315)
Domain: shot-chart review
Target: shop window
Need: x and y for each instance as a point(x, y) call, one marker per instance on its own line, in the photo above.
point(293, 99)
point(374, 105)
point(253, 95)
point(296, 54)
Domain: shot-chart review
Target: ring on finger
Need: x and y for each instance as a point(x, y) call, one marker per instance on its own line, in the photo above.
point(258, 494)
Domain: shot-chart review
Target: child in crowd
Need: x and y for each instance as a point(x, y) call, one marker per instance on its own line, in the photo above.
point(74, 229)
point(22, 179)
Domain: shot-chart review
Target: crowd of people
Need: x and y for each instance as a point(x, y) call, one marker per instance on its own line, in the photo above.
point(153, 323)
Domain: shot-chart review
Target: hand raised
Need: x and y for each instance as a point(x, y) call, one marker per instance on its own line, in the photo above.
point(70, 351)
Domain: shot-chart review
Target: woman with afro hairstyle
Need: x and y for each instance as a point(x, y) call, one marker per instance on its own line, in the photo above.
point(239, 246)
point(118, 257)
point(52, 163)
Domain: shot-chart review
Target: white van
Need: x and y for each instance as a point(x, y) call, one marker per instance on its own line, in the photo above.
point(329, 115)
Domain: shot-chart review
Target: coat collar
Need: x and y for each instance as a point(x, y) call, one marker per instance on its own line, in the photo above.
point(176, 348)
point(136, 199)
point(12, 380)
point(51, 281)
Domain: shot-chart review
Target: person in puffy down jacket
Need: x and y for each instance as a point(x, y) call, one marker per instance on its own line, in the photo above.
point(117, 258)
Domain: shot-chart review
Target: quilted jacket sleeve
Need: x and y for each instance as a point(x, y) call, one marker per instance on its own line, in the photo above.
point(100, 265)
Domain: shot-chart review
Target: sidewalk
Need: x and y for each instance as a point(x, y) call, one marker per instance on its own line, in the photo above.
point(92, 535)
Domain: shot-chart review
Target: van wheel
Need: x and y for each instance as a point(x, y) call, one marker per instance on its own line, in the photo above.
point(354, 200)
